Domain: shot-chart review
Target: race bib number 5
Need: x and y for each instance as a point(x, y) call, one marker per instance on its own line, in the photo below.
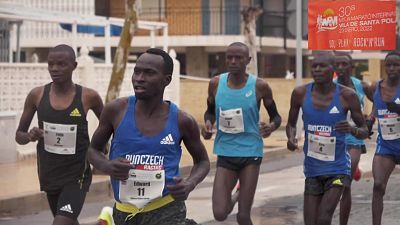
point(231, 121)
point(390, 128)
point(142, 187)
point(60, 138)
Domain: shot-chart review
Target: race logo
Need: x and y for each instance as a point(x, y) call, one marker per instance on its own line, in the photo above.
point(327, 21)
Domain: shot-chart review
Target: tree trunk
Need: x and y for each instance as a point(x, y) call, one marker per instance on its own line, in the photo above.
point(250, 15)
point(121, 55)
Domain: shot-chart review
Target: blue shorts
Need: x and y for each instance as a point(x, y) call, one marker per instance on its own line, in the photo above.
point(383, 151)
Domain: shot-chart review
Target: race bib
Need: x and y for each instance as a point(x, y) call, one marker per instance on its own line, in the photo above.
point(321, 148)
point(390, 128)
point(231, 121)
point(142, 187)
point(60, 138)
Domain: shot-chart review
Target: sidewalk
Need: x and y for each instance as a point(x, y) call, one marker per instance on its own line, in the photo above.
point(19, 185)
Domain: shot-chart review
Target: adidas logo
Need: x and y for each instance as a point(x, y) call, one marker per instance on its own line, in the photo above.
point(75, 112)
point(397, 101)
point(168, 140)
point(67, 208)
point(333, 110)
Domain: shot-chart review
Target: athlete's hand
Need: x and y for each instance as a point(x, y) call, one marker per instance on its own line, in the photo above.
point(119, 168)
point(266, 129)
point(343, 126)
point(292, 144)
point(370, 120)
point(35, 134)
point(180, 191)
point(206, 131)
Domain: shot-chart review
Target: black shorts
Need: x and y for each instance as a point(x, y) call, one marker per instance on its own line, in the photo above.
point(361, 148)
point(172, 213)
point(320, 184)
point(237, 163)
point(67, 201)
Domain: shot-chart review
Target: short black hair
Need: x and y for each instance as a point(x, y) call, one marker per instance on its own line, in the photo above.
point(241, 44)
point(341, 53)
point(65, 48)
point(168, 63)
point(328, 54)
point(395, 52)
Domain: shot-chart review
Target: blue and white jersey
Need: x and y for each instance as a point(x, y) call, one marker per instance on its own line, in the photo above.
point(161, 152)
point(388, 139)
point(324, 148)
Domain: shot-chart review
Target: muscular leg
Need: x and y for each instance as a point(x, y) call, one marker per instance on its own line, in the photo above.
point(248, 178)
point(311, 206)
point(345, 202)
point(329, 201)
point(382, 167)
point(224, 182)
point(63, 220)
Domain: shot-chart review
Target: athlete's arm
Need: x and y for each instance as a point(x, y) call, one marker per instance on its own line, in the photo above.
point(269, 104)
point(22, 135)
point(117, 168)
point(209, 115)
point(296, 101)
point(368, 90)
point(350, 100)
point(94, 102)
point(201, 165)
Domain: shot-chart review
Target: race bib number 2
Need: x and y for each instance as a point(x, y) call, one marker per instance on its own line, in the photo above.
point(60, 138)
point(142, 187)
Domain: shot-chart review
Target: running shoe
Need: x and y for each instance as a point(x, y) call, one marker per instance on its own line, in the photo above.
point(357, 174)
point(105, 217)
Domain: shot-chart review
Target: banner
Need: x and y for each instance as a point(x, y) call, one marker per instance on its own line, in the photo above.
point(352, 24)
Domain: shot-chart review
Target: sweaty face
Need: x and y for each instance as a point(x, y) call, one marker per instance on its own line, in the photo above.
point(392, 67)
point(60, 66)
point(237, 58)
point(343, 66)
point(148, 77)
point(322, 69)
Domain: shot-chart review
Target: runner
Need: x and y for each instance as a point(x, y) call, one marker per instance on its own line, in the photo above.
point(234, 100)
point(145, 149)
point(62, 135)
point(355, 146)
point(327, 162)
point(387, 111)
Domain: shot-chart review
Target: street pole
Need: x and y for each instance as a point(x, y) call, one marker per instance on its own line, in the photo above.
point(299, 63)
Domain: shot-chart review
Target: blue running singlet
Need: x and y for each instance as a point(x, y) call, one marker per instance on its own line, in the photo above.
point(237, 119)
point(388, 139)
point(159, 152)
point(350, 139)
point(324, 148)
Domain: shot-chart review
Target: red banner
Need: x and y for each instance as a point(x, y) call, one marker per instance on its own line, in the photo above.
point(352, 24)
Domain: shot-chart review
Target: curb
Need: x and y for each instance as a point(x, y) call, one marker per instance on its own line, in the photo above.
point(32, 203)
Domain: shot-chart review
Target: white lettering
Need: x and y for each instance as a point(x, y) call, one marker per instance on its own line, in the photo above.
point(319, 128)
